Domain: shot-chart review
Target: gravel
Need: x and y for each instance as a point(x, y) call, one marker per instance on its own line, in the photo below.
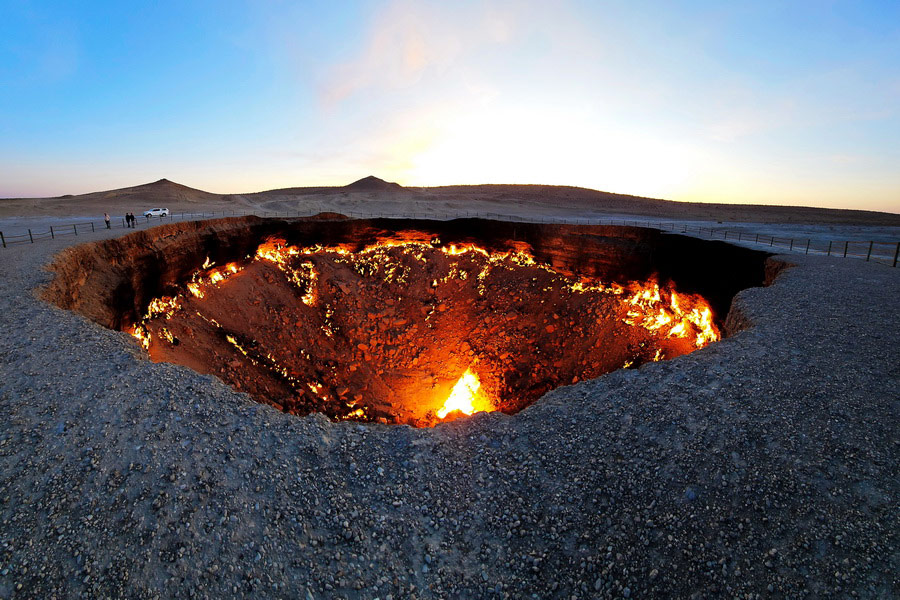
point(762, 466)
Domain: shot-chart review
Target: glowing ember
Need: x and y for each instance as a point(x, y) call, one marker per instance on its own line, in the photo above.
point(462, 396)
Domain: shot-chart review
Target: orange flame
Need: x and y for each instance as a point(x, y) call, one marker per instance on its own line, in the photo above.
point(463, 395)
point(650, 311)
point(140, 333)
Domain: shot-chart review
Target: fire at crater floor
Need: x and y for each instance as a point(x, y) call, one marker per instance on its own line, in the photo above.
point(407, 330)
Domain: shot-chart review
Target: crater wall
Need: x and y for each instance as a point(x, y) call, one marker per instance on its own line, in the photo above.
point(112, 281)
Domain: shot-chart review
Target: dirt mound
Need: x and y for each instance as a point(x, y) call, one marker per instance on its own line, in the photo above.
point(373, 184)
point(327, 216)
point(160, 192)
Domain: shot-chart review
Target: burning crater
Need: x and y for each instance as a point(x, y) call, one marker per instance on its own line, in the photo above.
point(402, 321)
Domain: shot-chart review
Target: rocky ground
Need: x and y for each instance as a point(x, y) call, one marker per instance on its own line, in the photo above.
point(762, 466)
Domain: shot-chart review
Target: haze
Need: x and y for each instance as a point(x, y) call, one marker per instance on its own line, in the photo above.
point(765, 102)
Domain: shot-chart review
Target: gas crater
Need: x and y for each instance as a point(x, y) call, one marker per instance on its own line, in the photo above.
point(405, 321)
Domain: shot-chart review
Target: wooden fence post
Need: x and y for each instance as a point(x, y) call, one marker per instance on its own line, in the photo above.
point(92, 227)
point(896, 252)
point(807, 245)
point(792, 245)
point(51, 233)
point(829, 247)
point(75, 228)
point(845, 249)
point(31, 237)
point(869, 254)
point(3, 239)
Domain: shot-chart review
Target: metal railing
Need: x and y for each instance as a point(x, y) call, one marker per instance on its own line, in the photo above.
point(869, 250)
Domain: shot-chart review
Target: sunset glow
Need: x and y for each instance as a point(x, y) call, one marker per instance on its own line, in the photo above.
point(771, 103)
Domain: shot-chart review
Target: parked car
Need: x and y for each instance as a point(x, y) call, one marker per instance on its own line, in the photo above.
point(157, 212)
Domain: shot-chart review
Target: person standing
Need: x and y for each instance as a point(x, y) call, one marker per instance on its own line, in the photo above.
point(106, 219)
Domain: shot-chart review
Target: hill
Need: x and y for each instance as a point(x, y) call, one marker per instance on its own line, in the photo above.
point(373, 195)
point(373, 184)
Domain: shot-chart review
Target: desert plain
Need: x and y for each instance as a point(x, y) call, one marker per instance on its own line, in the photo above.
point(764, 465)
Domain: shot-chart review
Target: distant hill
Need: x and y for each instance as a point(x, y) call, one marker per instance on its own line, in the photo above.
point(373, 184)
point(159, 191)
point(375, 194)
point(162, 193)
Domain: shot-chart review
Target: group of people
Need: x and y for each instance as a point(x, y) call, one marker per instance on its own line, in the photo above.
point(129, 220)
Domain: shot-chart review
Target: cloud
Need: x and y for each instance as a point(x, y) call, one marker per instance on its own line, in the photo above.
point(409, 41)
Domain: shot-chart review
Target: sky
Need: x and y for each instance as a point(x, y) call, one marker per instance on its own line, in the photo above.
point(760, 102)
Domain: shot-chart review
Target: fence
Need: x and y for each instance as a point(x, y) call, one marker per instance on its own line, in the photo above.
point(882, 252)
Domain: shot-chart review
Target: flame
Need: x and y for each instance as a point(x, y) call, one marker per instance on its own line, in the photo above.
point(679, 330)
point(194, 288)
point(584, 286)
point(141, 334)
point(463, 395)
point(354, 415)
point(650, 310)
point(454, 250)
point(162, 306)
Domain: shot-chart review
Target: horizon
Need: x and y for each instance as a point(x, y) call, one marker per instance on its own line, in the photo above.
point(766, 104)
point(474, 185)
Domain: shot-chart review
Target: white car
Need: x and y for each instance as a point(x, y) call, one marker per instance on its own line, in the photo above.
point(157, 212)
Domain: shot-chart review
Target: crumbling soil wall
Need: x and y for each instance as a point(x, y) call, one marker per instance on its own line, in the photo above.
point(111, 282)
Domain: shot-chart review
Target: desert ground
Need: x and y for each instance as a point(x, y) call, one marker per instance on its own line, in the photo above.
point(373, 195)
point(764, 465)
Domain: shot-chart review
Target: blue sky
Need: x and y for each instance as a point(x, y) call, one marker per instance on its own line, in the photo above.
point(756, 102)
